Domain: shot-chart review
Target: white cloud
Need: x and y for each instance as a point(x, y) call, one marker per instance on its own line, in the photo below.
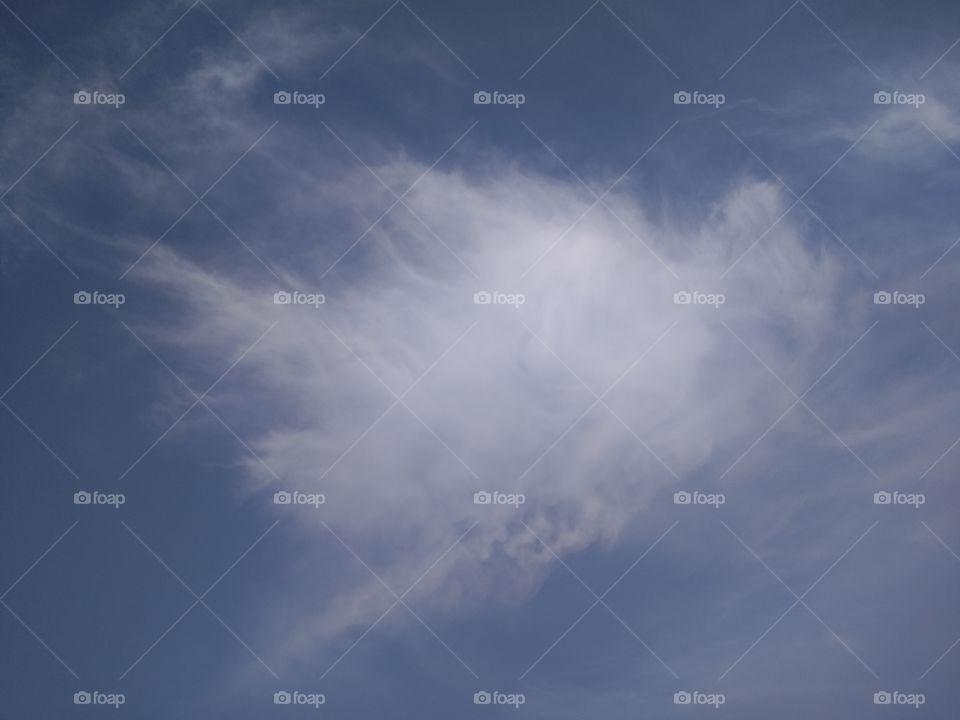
point(499, 400)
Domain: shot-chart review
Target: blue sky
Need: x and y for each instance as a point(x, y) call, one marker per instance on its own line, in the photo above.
point(594, 303)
